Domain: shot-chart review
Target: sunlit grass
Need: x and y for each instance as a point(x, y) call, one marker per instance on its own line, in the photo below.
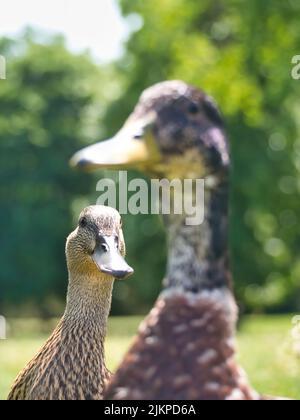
point(264, 344)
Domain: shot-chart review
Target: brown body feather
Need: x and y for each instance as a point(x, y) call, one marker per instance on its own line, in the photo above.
point(191, 340)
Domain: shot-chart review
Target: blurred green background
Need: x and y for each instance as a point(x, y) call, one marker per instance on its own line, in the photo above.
point(55, 102)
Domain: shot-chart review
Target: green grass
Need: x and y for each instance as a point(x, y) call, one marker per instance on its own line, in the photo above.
point(264, 351)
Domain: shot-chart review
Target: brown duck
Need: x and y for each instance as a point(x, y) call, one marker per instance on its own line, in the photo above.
point(71, 365)
point(185, 349)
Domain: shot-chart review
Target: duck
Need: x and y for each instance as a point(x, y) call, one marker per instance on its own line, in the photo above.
point(71, 365)
point(186, 347)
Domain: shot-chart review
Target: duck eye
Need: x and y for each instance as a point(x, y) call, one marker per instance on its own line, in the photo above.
point(104, 247)
point(193, 108)
point(83, 222)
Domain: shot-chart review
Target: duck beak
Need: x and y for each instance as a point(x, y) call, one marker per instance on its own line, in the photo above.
point(109, 260)
point(133, 146)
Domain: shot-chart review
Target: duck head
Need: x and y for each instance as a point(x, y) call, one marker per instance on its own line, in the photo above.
point(176, 130)
point(97, 245)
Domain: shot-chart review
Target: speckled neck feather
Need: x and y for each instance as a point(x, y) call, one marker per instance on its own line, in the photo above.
point(198, 255)
point(89, 300)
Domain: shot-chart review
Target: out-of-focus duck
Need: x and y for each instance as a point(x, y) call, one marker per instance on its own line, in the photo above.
point(71, 365)
point(185, 349)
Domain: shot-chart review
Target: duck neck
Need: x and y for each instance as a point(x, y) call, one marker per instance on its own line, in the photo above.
point(198, 254)
point(89, 303)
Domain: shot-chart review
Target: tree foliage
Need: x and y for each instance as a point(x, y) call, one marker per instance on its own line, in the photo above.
point(44, 108)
